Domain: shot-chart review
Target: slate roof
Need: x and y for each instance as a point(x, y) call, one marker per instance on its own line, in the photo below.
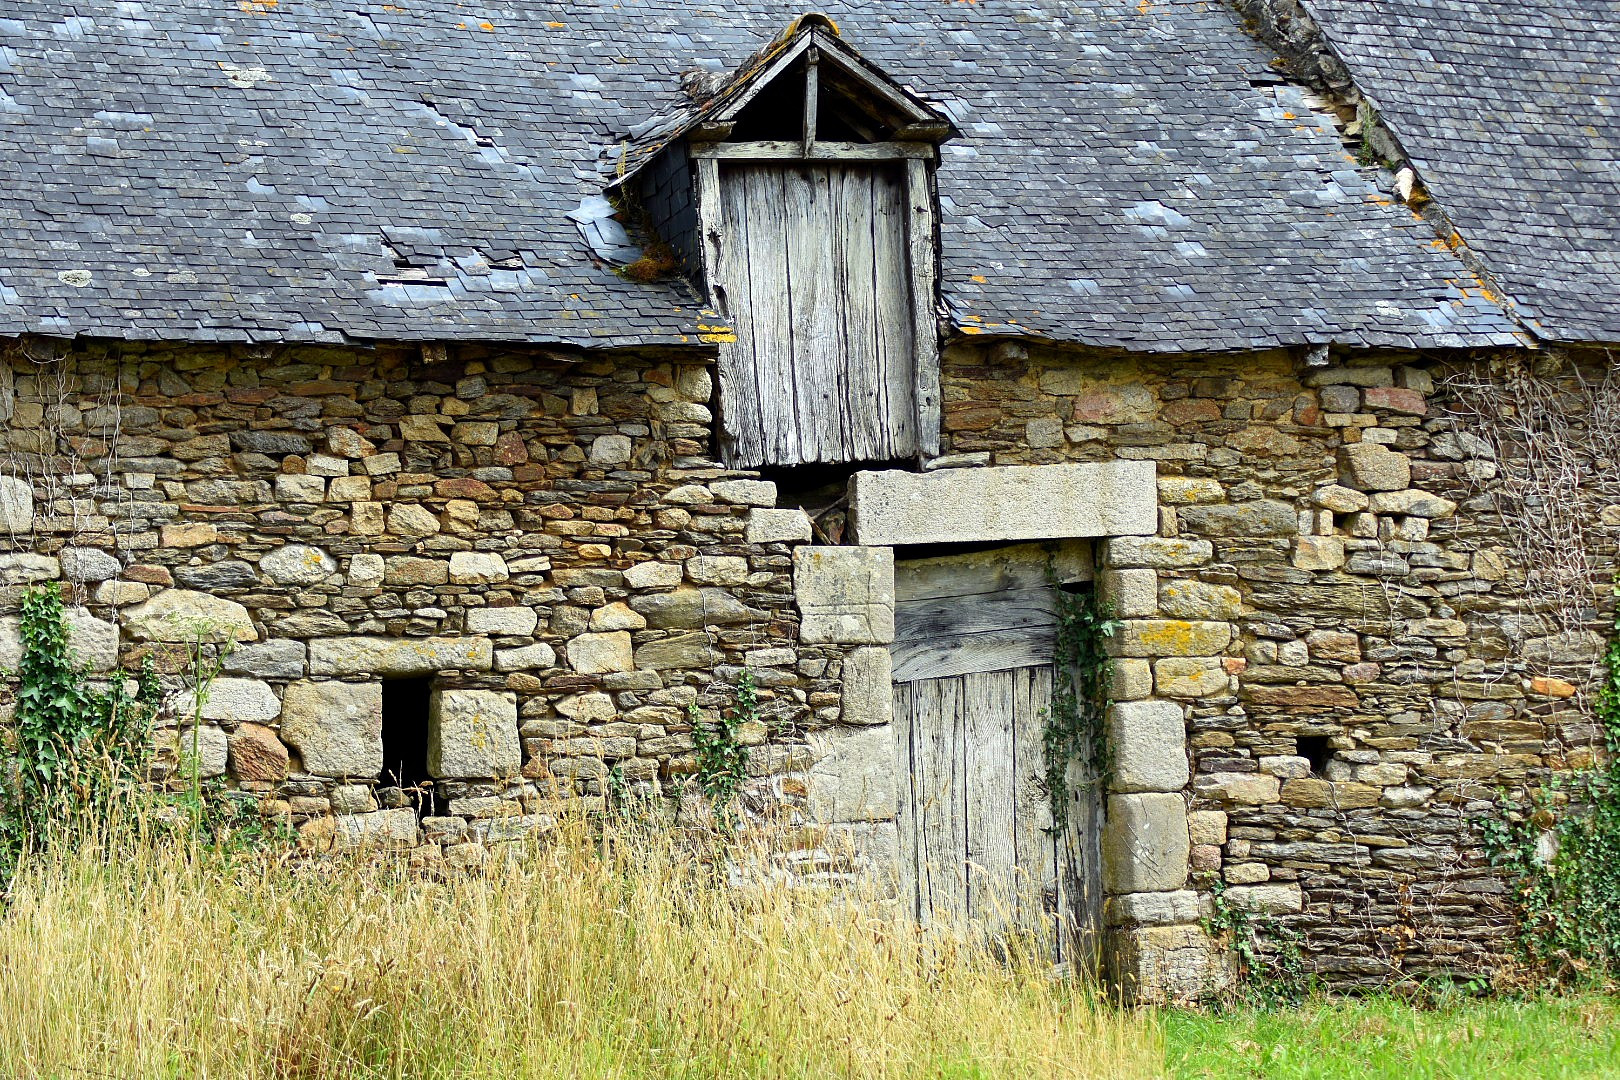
point(1511, 114)
point(195, 169)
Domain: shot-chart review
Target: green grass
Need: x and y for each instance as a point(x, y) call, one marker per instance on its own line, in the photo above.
point(1577, 1036)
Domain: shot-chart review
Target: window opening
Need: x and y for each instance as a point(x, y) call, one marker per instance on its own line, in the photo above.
point(405, 741)
point(1316, 750)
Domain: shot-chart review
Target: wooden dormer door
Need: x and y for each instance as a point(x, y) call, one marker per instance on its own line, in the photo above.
point(818, 286)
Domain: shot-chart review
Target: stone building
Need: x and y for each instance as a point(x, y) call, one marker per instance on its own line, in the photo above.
point(505, 381)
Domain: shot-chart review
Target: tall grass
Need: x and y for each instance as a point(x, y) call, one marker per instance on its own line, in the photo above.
point(578, 960)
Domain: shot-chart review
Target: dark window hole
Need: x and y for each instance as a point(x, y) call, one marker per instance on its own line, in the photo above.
point(1315, 749)
point(405, 741)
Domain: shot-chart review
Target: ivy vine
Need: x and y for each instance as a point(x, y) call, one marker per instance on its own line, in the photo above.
point(1559, 851)
point(1073, 731)
point(722, 759)
point(1260, 944)
point(69, 748)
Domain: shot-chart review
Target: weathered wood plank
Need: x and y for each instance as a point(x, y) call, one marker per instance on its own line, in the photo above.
point(786, 150)
point(968, 653)
point(773, 210)
point(925, 329)
point(892, 287)
point(987, 707)
point(864, 400)
point(730, 257)
point(1012, 609)
point(1019, 566)
point(945, 802)
point(1032, 808)
point(819, 353)
point(906, 822)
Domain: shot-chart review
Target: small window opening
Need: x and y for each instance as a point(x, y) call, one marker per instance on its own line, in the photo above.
point(1315, 749)
point(405, 741)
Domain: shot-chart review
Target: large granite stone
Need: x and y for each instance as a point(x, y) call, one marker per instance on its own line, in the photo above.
point(16, 505)
point(1148, 740)
point(1145, 844)
point(682, 651)
point(473, 734)
point(297, 564)
point(1035, 502)
point(852, 778)
point(180, 615)
point(597, 654)
point(399, 657)
point(688, 608)
point(336, 727)
point(845, 594)
point(868, 687)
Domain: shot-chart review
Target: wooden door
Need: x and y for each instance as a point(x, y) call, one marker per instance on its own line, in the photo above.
point(973, 671)
point(816, 281)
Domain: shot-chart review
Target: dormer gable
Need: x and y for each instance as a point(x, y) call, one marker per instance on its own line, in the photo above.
point(800, 191)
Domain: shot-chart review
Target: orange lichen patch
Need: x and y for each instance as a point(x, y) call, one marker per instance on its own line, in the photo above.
point(486, 26)
point(260, 7)
point(556, 25)
point(971, 329)
point(1144, 7)
point(980, 278)
point(725, 338)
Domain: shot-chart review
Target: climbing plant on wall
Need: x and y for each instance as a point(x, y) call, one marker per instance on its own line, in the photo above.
point(1073, 732)
point(1560, 853)
point(722, 759)
point(69, 748)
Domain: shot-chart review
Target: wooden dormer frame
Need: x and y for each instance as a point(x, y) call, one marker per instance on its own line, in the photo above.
point(814, 40)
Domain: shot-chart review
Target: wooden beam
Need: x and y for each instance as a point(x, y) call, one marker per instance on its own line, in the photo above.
point(924, 273)
point(784, 150)
point(759, 80)
point(812, 95)
point(710, 239)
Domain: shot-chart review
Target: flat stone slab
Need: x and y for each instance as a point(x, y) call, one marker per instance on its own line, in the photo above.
point(396, 657)
point(1015, 502)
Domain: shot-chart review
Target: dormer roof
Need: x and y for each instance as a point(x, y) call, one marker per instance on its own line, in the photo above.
point(716, 104)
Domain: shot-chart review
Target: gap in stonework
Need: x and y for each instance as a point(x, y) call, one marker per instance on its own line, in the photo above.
point(1315, 749)
point(405, 741)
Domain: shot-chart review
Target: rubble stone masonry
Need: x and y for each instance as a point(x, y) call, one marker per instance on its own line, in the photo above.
point(1340, 623)
point(1328, 664)
point(542, 535)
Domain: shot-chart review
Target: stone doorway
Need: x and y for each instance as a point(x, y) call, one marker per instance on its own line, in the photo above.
point(973, 679)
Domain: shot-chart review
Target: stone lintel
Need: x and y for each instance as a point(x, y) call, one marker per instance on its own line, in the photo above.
point(1014, 502)
point(399, 657)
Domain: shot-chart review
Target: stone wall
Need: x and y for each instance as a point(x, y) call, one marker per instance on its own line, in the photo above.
point(542, 534)
point(1339, 627)
point(1330, 657)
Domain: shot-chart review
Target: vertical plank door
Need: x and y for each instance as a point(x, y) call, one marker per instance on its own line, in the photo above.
point(817, 283)
point(973, 685)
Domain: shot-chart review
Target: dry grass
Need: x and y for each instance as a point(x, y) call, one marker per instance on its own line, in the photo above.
point(135, 961)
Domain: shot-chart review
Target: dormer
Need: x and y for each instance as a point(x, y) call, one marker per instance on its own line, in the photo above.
point(812, 222)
